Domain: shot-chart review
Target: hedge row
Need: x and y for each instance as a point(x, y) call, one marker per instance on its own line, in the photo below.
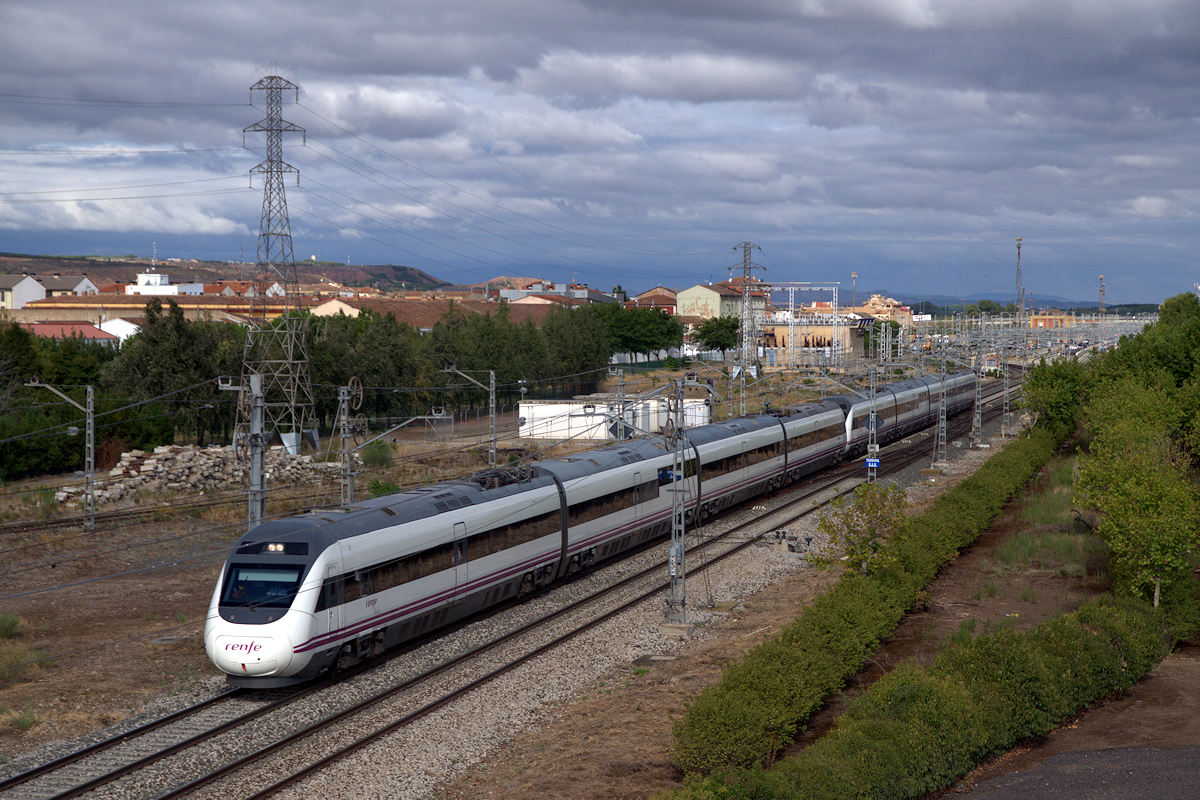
point(761, 703)
point(918, 730)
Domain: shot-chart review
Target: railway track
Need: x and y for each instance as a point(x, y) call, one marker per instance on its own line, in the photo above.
point(207, 746)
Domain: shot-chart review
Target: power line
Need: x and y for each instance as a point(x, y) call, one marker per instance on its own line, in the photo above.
point(39, 99)
point(127, 186)
point(10, 201)
point(409, 165)
point(125, 151)
point(460, 220)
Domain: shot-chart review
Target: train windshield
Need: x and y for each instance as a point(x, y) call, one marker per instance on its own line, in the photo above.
point(252, 585)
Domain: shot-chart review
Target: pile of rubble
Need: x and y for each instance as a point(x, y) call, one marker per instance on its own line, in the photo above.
point(191, 469)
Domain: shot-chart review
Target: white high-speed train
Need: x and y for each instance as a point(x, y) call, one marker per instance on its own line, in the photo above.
point(302, 596)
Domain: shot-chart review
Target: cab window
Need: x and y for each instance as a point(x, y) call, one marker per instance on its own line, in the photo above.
point(253, 585)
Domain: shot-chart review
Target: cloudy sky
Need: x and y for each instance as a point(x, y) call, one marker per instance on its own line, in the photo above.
point(624, 141)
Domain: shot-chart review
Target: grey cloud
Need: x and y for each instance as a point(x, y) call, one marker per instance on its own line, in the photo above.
point(891, 135)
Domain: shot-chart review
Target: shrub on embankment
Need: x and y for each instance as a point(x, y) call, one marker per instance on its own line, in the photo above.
point(761, 703)
point(916, 730)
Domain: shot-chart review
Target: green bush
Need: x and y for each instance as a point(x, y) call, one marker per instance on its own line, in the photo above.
point(761, 703)
point(377, 487)
point(917, 730)
point(10, 625)
point(377, 454)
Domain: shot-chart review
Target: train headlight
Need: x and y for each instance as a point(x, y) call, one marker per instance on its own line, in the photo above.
point(275, 548)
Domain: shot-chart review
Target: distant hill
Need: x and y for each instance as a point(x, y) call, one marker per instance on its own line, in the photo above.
point(948, 301)
point(504, 282)
point(124, 269)
point(381, 276)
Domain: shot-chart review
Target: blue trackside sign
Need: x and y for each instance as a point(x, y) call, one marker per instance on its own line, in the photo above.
point(872, 463)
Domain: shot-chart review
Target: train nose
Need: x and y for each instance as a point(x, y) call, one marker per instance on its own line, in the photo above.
point(251, 655)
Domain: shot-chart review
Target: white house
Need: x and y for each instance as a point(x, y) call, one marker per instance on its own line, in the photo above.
point(58, 285)
point(17, 290)
point(157, 283)
point(121, 328)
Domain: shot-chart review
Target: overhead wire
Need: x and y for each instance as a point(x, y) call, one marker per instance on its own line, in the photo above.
point(38, 99)
point(430, 228)
point(92, 553)
point(603, 244)
point(126, 186)
point(211, 193)
point(459, 220)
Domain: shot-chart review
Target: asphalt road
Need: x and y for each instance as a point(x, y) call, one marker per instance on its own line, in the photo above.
point(1142, 743)
point(1127, 773)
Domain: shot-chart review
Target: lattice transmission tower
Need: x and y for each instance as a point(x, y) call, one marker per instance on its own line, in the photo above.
point(275, 348)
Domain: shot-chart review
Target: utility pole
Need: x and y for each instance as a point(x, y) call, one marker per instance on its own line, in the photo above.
point(676, 567)
point(977, 420)
point(1020, 288)
point(678, 442)
point(275, 349)
point(853, 289)
point(940, 456)
point(872, 437)
point(255, 442)
point(491, 390)
point(1002, 348)
point(1101, 294)
point(749, 337)
point(89, 449)
point(621, 432)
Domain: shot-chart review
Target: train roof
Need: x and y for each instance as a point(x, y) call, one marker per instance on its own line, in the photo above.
point(811, 408)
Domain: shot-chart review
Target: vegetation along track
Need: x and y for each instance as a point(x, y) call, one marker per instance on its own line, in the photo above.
point(221, 738)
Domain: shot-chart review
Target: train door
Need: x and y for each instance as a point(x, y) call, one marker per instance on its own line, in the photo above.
point(639, 497)
point(332, 600)
point(460, 558)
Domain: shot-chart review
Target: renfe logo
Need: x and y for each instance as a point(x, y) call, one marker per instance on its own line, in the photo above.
point(243, 647)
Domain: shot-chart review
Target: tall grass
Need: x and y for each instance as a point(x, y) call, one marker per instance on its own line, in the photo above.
point(1052, 506)
point(1017, 549)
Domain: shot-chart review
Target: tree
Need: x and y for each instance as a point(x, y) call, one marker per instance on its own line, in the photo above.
point(1180, 309)
point(18, 361)
point(858, 526)
point(718, 333)
point(170, 354)
point(577, 343)
point(1149, 510)
point(639, 330)
point(1054, 393)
